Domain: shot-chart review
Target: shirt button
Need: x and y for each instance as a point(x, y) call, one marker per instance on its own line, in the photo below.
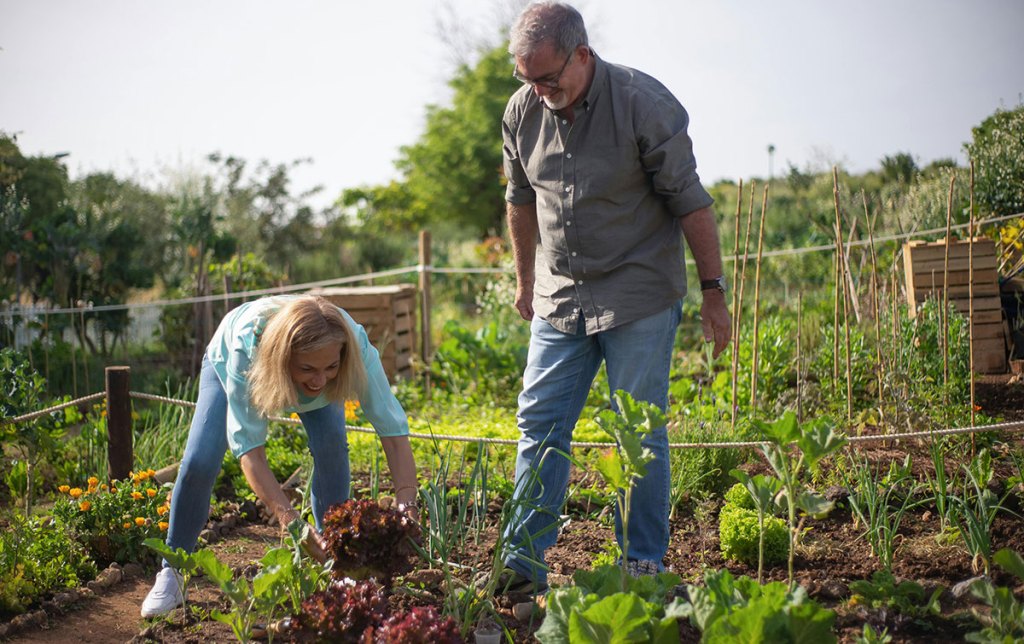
point(580, 282)
point(564, 121)
point(569, 223)
point(568, 155)
point(574, 253)
point(568, 188)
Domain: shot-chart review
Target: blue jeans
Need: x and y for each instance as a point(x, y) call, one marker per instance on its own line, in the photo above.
point(559, 372)
point(208, 442)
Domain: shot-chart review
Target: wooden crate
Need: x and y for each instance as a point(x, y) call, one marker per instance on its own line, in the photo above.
point(388, 313)
point(923, 265)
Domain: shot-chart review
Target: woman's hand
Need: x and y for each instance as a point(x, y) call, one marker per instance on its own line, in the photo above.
point(315, 546)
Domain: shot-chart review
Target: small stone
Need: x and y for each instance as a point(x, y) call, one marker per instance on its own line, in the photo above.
point(133, 570)
point(927, 516)
point(206, 535)
point(523, 611)
point(961, 589)
point(833, 589)
point(836, 493)
point(63, 599)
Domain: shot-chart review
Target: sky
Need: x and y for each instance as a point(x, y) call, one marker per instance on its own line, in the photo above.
point(148, 89)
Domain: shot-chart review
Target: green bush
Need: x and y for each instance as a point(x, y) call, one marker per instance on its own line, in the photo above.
point(738, 536)
point(38, 557)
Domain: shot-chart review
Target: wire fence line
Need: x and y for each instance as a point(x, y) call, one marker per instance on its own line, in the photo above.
point(17, 311)
point(1006, 427)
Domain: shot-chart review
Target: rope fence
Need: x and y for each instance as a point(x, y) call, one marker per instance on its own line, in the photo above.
point(1006, 427)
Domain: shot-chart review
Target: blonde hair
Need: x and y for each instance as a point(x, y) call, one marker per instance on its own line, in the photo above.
point(307, 323)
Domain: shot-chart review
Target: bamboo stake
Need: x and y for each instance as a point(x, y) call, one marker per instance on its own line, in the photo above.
point(846, 331)
point(970, 300)
point(743, 269)
point(799, 360)
point(735, 303)
point(945, 294)
point(757, 300)
point(879, 368)
point(838, 277)
point(842, 277)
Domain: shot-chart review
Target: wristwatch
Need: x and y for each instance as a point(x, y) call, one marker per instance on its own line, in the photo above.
point(717, 284)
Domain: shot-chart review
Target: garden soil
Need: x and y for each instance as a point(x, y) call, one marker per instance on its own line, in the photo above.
point(832, 555)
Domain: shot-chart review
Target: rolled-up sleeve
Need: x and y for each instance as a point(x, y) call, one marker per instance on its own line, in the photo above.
point(666, 153)
point(379, 404)
point(518, 189)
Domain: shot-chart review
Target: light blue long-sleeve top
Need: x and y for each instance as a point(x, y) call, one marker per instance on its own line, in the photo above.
point(231, 351)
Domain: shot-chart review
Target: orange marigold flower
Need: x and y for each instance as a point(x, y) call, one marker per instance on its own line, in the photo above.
point(75, 492)
point(351, 406)
point(93, 481)
point(150, 472)
point(127, 525)
point(136, 495)
point(64, 489)
point(151, 493)
point(139, 521)
point(162, 525)
point(84, 506)
point(104, 487)
point(113, 490)
point(162, 510)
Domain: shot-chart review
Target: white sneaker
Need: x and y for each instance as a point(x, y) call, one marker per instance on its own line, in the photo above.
point(165, 595)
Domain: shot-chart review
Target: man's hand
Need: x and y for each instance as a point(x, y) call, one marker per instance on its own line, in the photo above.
point(714, 319)
point(314, 545)
point(524, 301)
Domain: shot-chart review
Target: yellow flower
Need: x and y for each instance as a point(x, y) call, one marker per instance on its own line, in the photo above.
point(151, 492)
point(64, 489)
point(162, 525)
point(93, 481)
point(351, 406)
point(151, 472)
point(293, 416)
point(104, 487)
point(162, 510)
point(127, 525)
point(84, 506)
point(75, 492)
point(139, 521)
point(113, 490)
point(136, 495)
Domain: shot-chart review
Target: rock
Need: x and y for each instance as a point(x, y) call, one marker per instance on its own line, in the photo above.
point(836, 493)
point(249, 510)
point(63, 599)
point(961, 589)
point(926, 517)
point(207, 535)
point(523, 611)
point(133, 571)
point(833, 589)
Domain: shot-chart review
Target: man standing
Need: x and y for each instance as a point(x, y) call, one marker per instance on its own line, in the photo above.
point(601, 180)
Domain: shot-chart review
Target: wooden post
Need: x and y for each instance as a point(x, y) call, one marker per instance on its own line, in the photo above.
point(425, 271)
point(119, 423)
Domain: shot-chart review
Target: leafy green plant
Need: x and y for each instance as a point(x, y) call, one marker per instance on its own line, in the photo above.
point(756, 493)
point(599, 607)
point(38, 557)
point(419, 624)
point(621, 467)
point(907, 597)
point(728, 609)
point(870, 636)
point(1005, 619)
point(879, 503)
point(30, 442)
point(702, 473)
point(183, 562)
point(974, 511)
point(814, 441)
point(345, 611)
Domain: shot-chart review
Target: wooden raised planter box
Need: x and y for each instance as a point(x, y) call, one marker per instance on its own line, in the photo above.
point(923, 265)
point(388, 313)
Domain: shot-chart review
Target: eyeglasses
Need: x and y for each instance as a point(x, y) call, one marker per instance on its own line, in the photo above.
point(549, 83)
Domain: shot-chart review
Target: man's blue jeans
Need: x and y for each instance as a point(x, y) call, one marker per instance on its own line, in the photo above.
point(208, 442)
point(559, 373)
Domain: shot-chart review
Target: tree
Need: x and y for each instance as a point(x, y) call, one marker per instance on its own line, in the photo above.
point(453, 174)
point(997, 150)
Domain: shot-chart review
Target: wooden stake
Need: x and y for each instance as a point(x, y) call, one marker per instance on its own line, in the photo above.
point(425, 306)
point(970, 299)
point(838, 276)
point(799, 360)
point(735, 303)
point(757, 300)
point(879, 368)
point(119, 423)
point(945, 293)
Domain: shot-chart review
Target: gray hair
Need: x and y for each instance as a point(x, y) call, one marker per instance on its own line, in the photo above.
point(548, 21)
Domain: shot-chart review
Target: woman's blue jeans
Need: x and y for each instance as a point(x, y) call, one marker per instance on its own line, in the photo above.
point(559, 373)
point(207, 444)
